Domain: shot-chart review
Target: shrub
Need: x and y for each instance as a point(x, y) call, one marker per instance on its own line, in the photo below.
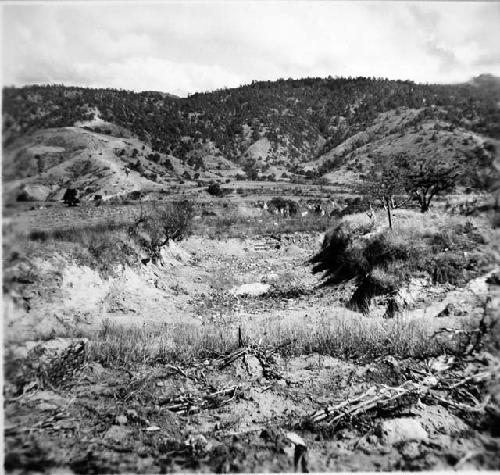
point(107, 252)
point(278, 203)
point(214, 189)
point(383, 261)
point(70, 197)
point(160, 224)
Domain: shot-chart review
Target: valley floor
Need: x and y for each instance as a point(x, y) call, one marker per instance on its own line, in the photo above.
point(228, 356)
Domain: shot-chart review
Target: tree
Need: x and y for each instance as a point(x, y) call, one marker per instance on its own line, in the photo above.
point(158, 225)
point(214, 189)
point(71, 197)
point(384, 183)
point(424, 178)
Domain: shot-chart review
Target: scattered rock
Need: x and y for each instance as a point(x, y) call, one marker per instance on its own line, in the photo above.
point(401, 429)
point(117, 433)
point(430, 381)
point(441, 363)
point(97, 369)
point(410, 449)
point(270, 278)
point(44, 406)
point(252, 290)
point(121, 420)
point(152, 429)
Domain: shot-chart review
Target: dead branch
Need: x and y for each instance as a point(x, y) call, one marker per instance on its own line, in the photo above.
point(191, 403)
point(382, 397)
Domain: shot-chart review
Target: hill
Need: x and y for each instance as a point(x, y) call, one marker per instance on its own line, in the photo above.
point(286, 130)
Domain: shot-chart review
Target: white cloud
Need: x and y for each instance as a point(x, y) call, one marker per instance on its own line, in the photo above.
point(157, 74)
point(186, 47)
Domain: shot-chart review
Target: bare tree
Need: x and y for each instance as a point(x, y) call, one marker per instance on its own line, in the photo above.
point(383, 184)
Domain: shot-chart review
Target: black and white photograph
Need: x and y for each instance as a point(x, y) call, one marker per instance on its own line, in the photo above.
point(250, 236)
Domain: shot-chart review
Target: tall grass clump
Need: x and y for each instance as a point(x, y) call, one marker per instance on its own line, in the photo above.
point(381, 261)
point(181, 343)
point(343, 336)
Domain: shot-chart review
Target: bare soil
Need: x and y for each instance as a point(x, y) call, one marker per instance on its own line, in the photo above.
point(242, 411)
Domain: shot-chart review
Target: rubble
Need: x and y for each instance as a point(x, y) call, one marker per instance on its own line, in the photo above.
point(401, 429)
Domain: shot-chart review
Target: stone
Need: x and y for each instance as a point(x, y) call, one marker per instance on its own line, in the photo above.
point(45, 406)
point(269, 278)
point(401, 429)
point(252, 290)
point(121, 420)
point(97, 369)
point(117, 433)
point(410, 449)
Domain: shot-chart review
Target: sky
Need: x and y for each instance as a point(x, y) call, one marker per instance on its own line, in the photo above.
point(186, 47)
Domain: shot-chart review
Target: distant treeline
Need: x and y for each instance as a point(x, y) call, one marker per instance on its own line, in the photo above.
point(305, 116)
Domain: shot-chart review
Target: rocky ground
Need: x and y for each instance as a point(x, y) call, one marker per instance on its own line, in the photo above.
point(250, 411)
point(259, 406)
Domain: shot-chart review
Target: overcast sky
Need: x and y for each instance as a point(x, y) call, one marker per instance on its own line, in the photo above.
point(199, 46)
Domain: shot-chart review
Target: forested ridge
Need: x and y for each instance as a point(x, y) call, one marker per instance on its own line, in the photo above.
point(301, 118)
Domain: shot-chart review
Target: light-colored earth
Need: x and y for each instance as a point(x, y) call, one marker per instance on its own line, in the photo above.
point(109, 417)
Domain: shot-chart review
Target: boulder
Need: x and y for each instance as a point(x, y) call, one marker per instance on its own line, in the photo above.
point(401, 429)
point(252, 290)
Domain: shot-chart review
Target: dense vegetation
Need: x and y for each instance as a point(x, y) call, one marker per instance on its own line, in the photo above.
point(438, 248)
point(303, 118)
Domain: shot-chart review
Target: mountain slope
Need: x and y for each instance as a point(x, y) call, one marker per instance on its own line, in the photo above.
point(286, 129)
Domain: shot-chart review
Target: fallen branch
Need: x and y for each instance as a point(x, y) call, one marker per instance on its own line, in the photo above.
point(384, 396)
point(479, 408)
point(190, 403)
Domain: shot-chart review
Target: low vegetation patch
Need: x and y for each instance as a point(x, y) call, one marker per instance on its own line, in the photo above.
point(344, 336)
point(111, 244)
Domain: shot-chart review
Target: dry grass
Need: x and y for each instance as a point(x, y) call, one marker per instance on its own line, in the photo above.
point(438, 247)
point(347, 336)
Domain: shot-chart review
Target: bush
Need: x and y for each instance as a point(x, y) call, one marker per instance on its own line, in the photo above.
point(214, 189)
point(381, 261)
point(71, 197)
point(278, 203)
point(160, 224)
